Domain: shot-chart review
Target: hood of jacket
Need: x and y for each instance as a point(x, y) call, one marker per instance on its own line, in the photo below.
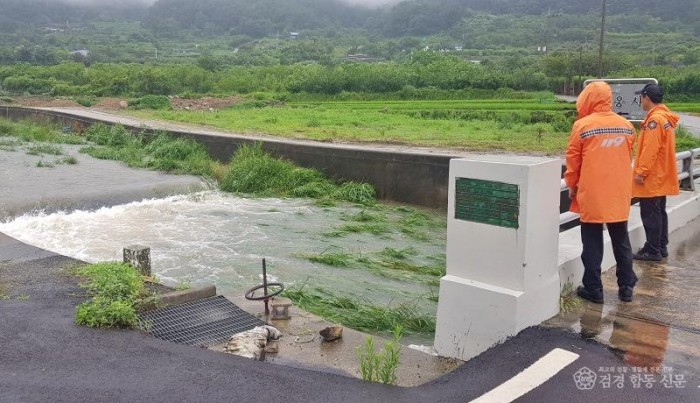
point(663, 110)
point(596, 97)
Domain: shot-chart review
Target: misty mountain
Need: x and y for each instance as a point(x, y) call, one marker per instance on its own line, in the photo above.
point(406, 18)
point(28, 14)
point(254, 18)
point(260, 18)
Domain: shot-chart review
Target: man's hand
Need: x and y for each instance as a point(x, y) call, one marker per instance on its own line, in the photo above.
point(639, 179)
point(572, 194)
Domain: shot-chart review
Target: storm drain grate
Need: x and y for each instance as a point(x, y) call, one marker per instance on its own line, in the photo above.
point(204, 322)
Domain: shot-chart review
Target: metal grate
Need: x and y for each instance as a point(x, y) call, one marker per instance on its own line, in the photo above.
point(204, 322)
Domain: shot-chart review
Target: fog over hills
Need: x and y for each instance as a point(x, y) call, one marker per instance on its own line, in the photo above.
point(366, 3)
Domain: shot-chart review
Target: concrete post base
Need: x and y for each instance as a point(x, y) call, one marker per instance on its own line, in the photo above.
point(487, 315)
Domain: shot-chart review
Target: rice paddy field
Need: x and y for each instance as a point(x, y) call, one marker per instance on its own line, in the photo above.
point(537, 125)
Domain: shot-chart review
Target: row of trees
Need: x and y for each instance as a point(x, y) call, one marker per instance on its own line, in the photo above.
point(425, 70)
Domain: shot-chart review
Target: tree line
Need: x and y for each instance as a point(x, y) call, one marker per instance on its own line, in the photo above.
point(426, 75)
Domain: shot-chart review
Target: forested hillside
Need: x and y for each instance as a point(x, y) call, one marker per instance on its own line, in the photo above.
point(527, 44)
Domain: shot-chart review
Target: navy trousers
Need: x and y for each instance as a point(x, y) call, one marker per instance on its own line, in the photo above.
point(592, 255)
point(655, 220)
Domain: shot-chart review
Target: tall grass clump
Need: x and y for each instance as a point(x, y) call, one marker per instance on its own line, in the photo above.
point(116, 290)
point(685, 140)
point(179, 155)
point(253, 171)
point(114, 142)
point(33, 132)
point(164, 153)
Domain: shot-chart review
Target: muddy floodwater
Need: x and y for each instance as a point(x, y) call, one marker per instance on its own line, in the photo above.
point(214, 237)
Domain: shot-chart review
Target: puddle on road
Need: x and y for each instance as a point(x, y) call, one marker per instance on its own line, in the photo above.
point(214, 237)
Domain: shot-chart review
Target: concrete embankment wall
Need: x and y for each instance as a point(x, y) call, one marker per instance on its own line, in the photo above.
point(411, 177)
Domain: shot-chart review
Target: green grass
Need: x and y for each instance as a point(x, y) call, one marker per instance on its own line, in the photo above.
point(162, 152)
point(116, 291)
point(27, 131)
point(686, 107)
point(253, 171)
point(493, 125)
point(44, 149)
point(359, 314)
point(568, 300)
point(686, 140)
point(380, 366)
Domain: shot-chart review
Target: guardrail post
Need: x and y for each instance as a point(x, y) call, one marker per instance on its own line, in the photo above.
point(687, 166)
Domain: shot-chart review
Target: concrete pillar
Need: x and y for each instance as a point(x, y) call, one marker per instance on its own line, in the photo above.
point(502, 244)
point(139, 257)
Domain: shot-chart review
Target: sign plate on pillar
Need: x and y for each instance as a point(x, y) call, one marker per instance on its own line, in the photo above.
point(487, 202)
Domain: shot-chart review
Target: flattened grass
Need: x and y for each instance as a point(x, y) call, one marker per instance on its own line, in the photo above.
point(361, 314)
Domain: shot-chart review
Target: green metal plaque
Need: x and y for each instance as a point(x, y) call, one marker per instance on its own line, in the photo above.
point(487, 202)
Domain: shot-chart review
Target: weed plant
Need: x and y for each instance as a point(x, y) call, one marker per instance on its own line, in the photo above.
point(116, 290)
point(44, 149)
point(381, 366)
point(568, 300)
point(157, 102)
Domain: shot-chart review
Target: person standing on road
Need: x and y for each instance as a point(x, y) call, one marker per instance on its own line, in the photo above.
point(599, 177)
point(655, 171)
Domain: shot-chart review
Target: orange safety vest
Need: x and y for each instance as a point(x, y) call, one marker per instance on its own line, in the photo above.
point(599, 158)
point(656, 154)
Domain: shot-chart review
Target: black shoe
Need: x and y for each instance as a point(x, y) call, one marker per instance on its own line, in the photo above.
point(664, 252)
point(593, 296)
point(625, 293)
point(644, 255)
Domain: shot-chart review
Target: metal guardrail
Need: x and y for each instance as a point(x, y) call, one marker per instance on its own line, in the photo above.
point(686, 175)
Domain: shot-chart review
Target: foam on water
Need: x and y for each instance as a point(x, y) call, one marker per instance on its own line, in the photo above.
point(216, 237)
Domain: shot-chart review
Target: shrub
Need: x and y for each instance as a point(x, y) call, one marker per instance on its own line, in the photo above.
point(151, 102)
point(116, 289)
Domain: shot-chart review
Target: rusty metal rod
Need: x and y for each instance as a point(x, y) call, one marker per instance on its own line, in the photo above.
point(267, 309)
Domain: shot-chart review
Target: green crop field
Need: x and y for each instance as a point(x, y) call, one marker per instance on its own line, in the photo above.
point(531, 125)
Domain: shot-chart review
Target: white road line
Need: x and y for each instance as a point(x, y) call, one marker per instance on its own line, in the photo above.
point(530, 378)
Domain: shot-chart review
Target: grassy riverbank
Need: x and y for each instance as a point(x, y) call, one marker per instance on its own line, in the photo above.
point(252, 173)
point(515, 125)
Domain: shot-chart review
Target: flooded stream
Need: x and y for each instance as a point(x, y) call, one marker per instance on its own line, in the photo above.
point(214, 237)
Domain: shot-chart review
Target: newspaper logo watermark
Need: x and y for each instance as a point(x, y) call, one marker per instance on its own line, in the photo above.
point(634, 377)
point(585, 378)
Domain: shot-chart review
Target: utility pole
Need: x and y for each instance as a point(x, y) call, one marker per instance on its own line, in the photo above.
point(580, 66)
point(600, 46)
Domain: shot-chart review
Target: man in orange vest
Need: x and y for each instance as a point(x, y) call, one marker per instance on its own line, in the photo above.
point(599, 177)
point(655, 171)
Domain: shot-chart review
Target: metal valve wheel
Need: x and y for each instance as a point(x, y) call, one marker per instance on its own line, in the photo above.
point(269, 290)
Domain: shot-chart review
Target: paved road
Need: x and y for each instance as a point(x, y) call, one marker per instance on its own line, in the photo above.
point(690, 122)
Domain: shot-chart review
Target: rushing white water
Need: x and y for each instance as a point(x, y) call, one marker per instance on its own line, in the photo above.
point(213, 237)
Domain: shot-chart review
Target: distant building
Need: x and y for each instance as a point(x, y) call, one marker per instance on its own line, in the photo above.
point(81, 52)
point(293, 35)
point(360, 57)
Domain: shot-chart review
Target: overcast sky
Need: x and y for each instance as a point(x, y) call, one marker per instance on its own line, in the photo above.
point(371, 3)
